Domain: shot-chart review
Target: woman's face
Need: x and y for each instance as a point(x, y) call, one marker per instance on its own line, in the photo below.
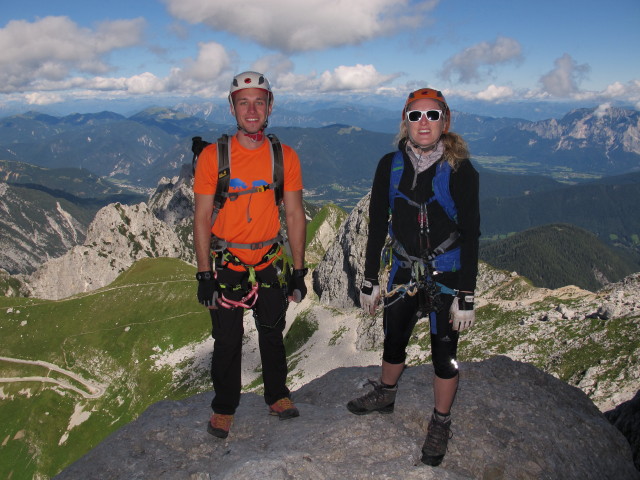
point(425, 133)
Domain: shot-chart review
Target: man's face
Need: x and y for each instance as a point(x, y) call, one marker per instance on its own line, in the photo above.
point(251, 108)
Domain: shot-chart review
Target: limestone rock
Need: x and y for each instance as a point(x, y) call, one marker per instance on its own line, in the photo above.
point(626, 418)
point(117, 237)
point(510, 420)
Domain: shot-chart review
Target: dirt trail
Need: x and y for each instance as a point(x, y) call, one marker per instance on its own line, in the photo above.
point(93, 389)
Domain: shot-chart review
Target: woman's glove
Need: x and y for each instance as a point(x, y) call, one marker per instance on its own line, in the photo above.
point(461, 313)
point(208, 288)
point(370, 295)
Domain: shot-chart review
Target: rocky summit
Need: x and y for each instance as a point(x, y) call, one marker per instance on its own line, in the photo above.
point(510, 421)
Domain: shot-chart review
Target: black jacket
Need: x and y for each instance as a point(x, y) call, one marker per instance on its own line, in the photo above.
point(464, 187)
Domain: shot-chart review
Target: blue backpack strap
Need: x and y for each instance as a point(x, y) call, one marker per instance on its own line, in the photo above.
point(441, 190)
point(397, 167)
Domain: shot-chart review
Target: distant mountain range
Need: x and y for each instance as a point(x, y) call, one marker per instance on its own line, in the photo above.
point(532, 173)
point(338, 145)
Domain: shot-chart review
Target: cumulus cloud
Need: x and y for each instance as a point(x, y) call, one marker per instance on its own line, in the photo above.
point(42, 98)
point(477, 62)
point(355, 78)
point(494, 93)
point(305, 25)
point(563, 80)
point(51, 48)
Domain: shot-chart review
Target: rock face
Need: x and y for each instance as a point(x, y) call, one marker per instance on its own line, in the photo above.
point(31, 232)
point(511, 420)
point(337, 279)
point(626, 418)
point(117, 237)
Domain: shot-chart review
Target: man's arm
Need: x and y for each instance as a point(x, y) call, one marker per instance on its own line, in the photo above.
point(296, 226)
point(202, 231)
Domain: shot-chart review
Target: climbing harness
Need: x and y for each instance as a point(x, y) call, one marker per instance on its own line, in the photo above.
point(442, 258)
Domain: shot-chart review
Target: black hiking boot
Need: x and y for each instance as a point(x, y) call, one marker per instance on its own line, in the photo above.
point(435, 445)
point(380, 399)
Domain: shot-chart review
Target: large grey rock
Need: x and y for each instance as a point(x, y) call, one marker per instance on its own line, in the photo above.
point(511, 421)
point(338, 277)
point(626, 418)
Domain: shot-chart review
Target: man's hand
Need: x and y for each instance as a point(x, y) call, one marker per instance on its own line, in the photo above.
point(208, 289)
point(297, 289)
point(370, 295)
point(461, 313)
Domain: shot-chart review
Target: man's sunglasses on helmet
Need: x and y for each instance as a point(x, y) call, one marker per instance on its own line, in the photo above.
point(416, 115)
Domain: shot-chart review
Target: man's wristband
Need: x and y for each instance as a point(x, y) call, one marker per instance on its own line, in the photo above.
point(200, 276)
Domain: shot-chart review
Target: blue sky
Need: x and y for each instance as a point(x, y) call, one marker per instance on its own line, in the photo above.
point(54, 52)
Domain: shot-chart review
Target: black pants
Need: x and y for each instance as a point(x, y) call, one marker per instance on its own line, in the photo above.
point(227, 331)
point(400, 318)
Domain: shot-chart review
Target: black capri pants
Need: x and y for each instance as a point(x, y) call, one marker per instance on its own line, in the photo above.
point(400, 317)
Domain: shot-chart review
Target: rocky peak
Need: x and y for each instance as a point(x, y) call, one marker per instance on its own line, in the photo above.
point(510, 420)
point(118, 236)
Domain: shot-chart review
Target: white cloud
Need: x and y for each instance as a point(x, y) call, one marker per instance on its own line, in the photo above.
point(476, 62)
point(39, 98)
point(304, 25)
point(211, 62)
point(495, 93)
point(563, 80)
point(602, 110)
point(356, 78)
point(51, 48)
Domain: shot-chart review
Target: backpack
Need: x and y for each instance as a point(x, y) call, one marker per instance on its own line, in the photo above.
point(224, 171)
point(441, 192)
point(441, 257)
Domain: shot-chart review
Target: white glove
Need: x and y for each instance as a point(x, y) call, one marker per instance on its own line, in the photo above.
point(461, 313)
point(369, 296)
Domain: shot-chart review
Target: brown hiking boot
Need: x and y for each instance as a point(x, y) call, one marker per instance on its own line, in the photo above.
point(284, 408)
point(381, 399)
point(219, 425)
point(435, 445)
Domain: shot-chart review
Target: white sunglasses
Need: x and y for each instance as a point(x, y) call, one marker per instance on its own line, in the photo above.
point(416, 115)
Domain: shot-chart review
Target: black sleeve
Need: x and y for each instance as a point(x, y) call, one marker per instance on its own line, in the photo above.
point(465, 192)
point(378, 217)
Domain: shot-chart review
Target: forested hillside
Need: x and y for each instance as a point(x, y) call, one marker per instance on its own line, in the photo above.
point(553, 256)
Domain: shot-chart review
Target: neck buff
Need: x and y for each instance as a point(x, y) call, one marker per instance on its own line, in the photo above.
point(423, 160)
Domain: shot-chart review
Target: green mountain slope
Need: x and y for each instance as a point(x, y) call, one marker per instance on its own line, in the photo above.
point(106, 353)
point(109, 337)
point(553, 256)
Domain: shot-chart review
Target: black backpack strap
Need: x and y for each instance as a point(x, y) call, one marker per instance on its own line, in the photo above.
point(224, 175)
point(197, 145)
point(278, 167)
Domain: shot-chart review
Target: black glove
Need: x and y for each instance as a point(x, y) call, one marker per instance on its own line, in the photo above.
point(208, 288)
point(297, 288)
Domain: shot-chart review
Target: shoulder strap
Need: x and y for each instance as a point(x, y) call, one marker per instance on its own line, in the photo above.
point(278, 167)
point(442, 192)
point(224, 174)
point(440, 185)
point(397, 167)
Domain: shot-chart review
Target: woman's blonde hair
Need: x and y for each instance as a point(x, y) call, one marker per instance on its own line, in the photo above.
point(455, 148)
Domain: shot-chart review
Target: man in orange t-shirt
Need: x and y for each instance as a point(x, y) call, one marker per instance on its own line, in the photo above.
point(249, 266)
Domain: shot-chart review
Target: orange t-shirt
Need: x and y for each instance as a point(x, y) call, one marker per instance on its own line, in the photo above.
point(253, 217)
